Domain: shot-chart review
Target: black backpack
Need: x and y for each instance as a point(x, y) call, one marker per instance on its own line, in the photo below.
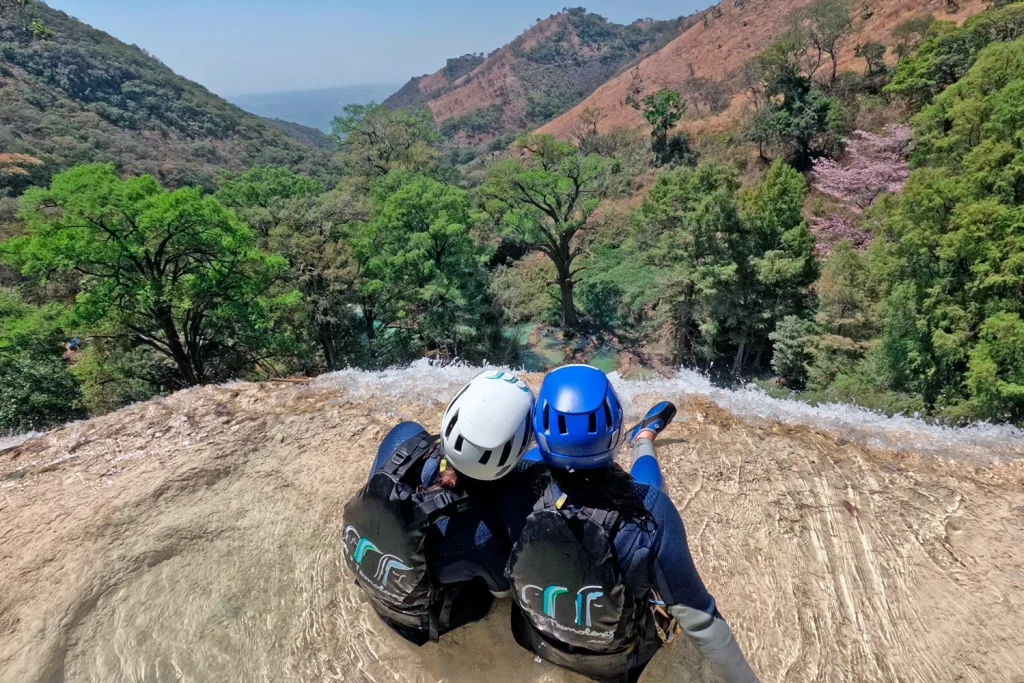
point(567, 582)
point(385, 537)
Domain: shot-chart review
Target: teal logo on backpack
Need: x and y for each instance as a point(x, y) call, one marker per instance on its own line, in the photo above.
point(585, 602)
point(387, 567)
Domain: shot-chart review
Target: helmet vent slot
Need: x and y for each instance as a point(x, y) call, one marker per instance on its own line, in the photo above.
point(547, 418)
point(562, 428)
point(506, 453)
point(485, 458)
point(607, 414)
point(610, 440)
point(458, 444)
point(592, 423)
point(451, 425)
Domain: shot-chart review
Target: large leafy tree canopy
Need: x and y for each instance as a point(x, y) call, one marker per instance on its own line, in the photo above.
point(419, 270)
point(954, 254)
point(545, 201)
point(174, 271)
point(375, 140)
point(947, 52)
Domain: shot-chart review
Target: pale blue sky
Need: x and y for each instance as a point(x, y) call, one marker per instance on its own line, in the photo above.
point(243, 46)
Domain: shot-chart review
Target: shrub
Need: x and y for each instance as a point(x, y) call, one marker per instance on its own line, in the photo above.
point(36, 394)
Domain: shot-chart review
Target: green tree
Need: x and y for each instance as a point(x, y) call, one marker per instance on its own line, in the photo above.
point(953, 256)
point(374, 140)
point(265, 196)
point(793, 339)
point(545, 201)
point(792, 115)
point(873, 55)
point(295, 219)
point(173, 271)
point(995, 376)
point(827, 24)
point(663, 110)
point(909, 33)
point(688, 235)
point(36, 389)
point(420, 280)
point(780, 267)
point(947, 52)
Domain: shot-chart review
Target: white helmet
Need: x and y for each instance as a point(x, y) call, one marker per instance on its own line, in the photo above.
point(486, 429)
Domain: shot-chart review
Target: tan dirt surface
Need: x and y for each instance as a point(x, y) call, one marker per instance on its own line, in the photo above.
point(719, 51)
point(196, 538)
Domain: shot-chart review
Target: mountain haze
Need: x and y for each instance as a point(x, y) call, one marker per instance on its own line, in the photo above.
point(77, 95)
point(312, 108)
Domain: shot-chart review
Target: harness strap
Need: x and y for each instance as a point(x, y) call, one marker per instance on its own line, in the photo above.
point(433, 627)
point(549, 499)
point(445, 619)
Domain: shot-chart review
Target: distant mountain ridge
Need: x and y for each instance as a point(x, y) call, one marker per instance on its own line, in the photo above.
point(539, 75)
point(312, 108)
point(77, 95)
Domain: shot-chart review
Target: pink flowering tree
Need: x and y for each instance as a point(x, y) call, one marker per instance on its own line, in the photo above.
point(872, 165)
point(833, 229)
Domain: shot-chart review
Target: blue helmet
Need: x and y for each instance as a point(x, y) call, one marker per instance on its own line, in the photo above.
point(578, 418)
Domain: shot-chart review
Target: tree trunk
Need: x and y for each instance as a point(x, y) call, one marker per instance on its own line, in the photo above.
point(570, 321)
point(327, 345)
point(760, 354)
point(178, 353)
point(737, 366)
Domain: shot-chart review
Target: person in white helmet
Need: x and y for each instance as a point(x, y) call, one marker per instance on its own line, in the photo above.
point(423, 537)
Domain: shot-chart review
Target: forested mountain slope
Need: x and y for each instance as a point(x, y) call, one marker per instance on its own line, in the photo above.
point(713, 52)
point(542, 73)
point(71, 94)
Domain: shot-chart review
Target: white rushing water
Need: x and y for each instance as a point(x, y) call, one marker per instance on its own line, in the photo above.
point(13, 440)
point(982, 442)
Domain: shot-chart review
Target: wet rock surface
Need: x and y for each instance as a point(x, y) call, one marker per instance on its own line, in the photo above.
point(196, 538)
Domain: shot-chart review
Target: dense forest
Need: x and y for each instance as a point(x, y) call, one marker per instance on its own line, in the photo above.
point(858, 236)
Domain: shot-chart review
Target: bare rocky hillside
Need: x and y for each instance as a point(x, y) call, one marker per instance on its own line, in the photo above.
point(735, 32)
point(543, 72)
point(196, 538)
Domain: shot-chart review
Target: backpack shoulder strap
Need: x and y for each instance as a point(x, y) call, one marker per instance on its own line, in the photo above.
point(608, 519)
point(408, 454)
point(552, 499)
point(441, 502)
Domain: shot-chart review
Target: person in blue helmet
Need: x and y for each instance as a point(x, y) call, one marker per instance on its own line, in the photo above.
point(599, 552)
point(423, 537)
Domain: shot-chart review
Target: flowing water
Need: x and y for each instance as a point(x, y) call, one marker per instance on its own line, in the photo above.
point(195, 538)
